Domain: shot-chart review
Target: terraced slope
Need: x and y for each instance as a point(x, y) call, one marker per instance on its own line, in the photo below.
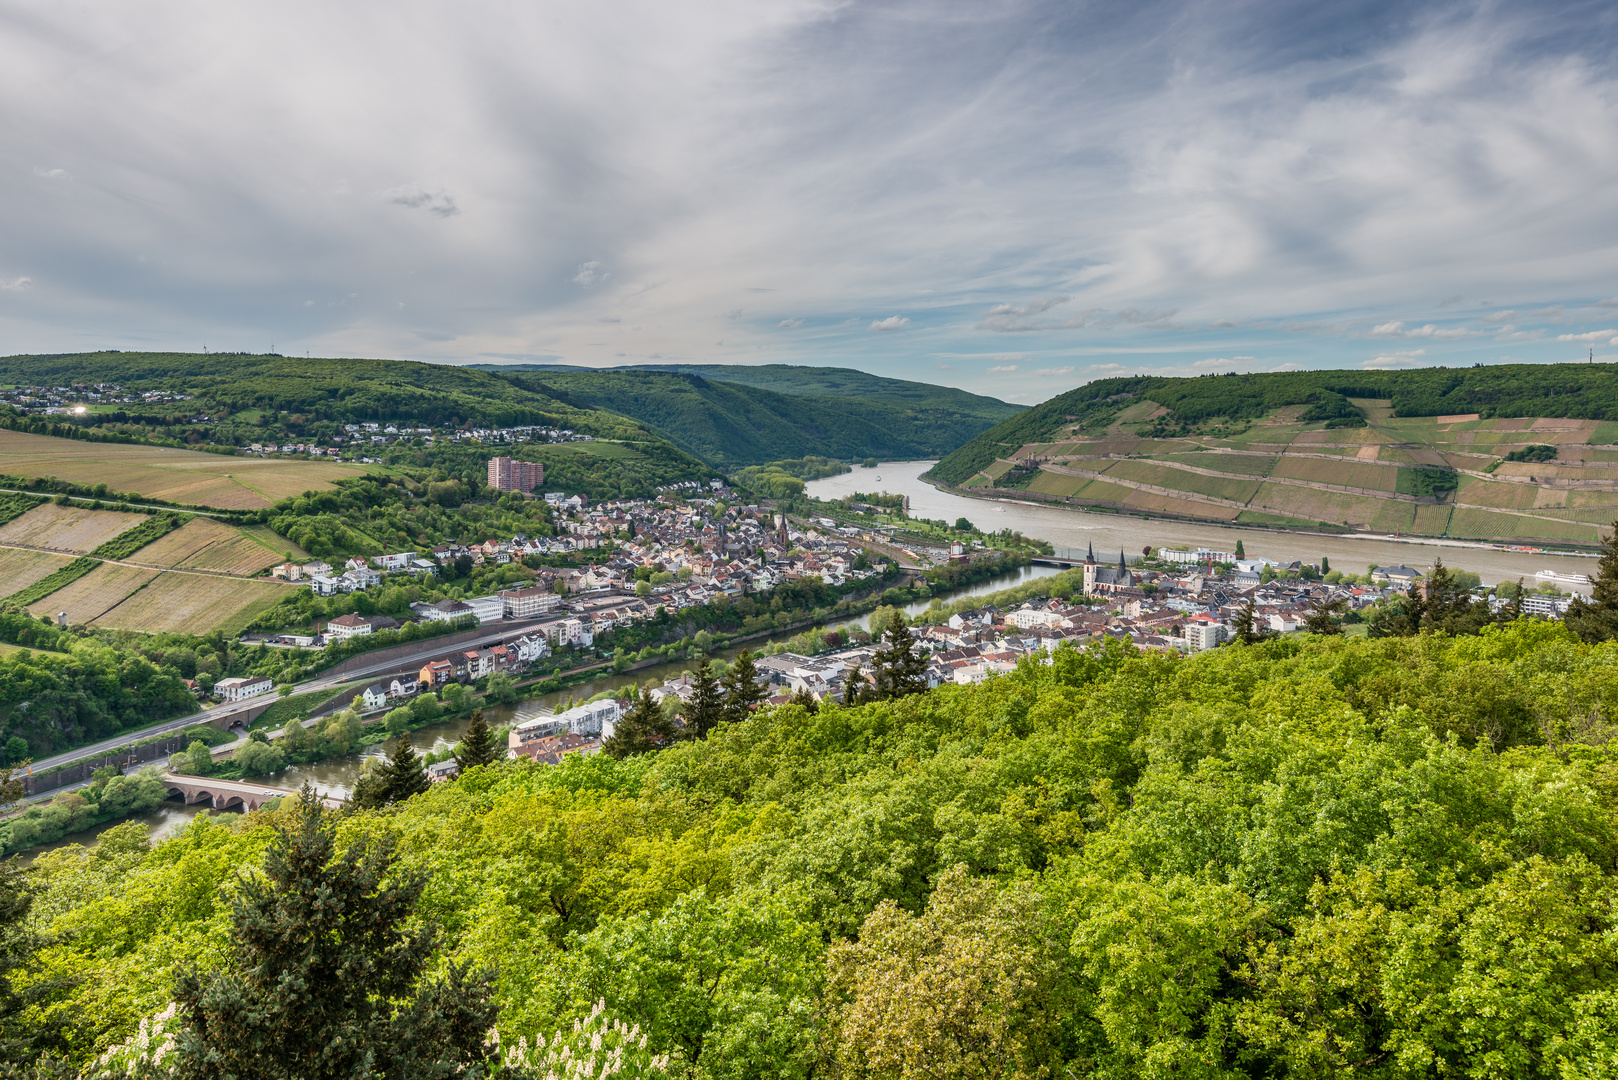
point(1437, 475)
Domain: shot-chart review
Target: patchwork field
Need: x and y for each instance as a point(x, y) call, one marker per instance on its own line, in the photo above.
point(66, 528)
point(203, 544)
point(1478, 495)
point(20, 569)
point(94, 594)
point(193, 604)
point(180, 476)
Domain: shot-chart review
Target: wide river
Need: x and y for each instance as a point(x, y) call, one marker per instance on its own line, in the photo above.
point(1063, 528)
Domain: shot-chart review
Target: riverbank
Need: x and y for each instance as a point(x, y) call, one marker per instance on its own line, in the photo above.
point(1073, 529)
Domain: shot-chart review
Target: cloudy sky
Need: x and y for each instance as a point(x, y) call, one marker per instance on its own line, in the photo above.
point(1009, 197)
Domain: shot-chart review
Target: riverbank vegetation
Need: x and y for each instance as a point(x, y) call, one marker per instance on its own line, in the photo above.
point(1255, 861)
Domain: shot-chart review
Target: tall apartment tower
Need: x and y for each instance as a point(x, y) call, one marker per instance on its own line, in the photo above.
point(505, 474)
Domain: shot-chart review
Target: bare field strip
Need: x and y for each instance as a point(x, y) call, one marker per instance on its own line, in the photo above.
point(20, 569)
point(93, 594)
point(1330, 506)
point(183, 476)
point(1234, 488)
point(67, 528)
point(1504, 496)
point(1147, 500)
point(1359, 474)
point(1243, 465)
point(207, 545)
point(1101, 491)
point(193, 604)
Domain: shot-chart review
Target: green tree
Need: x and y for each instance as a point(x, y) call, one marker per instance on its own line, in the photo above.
point(402, 775)
point(425, 707)
point(326, 973)
point(1241, 552)
point(1325, 565)
point(257, 759)
point(477, 745)
point(707, 705)
point(1596, 619)
point(642, 729)
point(1248, 629)
point(1325, 616)
point(398, 720)
point(805, 700)
point(743, 694)
point(856, 688)
point(1267, 574)
point(881, 618)
point(197, 760)
point(501, 688)
point(898, 668)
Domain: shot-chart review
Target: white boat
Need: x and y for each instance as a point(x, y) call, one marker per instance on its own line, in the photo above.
point(1565, 579)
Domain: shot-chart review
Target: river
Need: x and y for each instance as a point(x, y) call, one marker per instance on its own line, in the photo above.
point(1111, 533)
point(1062, 528)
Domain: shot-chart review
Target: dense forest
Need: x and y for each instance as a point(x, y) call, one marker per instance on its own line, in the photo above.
point(733, 423)
point(1306, 857)
point(1588, 391)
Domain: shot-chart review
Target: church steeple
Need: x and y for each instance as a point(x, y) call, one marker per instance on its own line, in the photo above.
point(1122, 566)
point(1090, 556)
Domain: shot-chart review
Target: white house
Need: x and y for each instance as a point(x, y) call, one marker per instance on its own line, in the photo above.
point(234, 689)
point(394, 563)
point(346, 626)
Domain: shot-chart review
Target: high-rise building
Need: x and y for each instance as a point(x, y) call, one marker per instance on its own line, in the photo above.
point(506, 474)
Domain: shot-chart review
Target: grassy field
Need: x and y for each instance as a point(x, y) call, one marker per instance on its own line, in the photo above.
point(66, 528)
point(193, 604)
point(7, 647)
point(208, 545)
point(278, 544)
point(181, 476)
point(94, 594)
point(20, 569)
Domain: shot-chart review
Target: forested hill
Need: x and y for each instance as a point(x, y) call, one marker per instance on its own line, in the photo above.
point(736, 415)
point(1583, 391)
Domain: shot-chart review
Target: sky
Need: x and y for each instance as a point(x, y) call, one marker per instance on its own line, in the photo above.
point(1009, 197)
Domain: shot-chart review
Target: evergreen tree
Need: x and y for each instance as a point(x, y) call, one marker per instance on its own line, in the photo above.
point(642, 729)
point(1513, 611)
point(1324, 616)
point(1241, 552)
point(1596, 619)
point(855, 688)
point(1401, 616)
point(403, 774)
point(743, 694)
point(804, 698)
point(477, 745)
point(898, 668)
point(1325, 565)
point(1448, 605)
point(707, 705)
point(1248, 630)
point(325, 976)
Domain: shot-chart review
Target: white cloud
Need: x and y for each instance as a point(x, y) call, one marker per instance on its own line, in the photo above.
point(1502, 316)
point(1437, 333)
point(789, 324)
point(18, 284)
point(52, 174)
point(892, 322)
point(1400, 358)
point(1068, 370)
point(1592, 336)
point(589, 274)
point(1002, 369)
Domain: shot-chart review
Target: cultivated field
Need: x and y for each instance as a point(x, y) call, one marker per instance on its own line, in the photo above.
point(65, 528)
point(193, 604)
point(181, 476)
point(1494, 499)
point(94, 594)
point(20, 569)
point(207, 545)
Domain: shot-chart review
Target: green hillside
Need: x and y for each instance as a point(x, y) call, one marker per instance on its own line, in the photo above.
point(238, 399)
point(735, 415)
point(1520, 454)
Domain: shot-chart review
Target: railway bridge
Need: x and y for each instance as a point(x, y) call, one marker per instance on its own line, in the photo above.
point(229, 794)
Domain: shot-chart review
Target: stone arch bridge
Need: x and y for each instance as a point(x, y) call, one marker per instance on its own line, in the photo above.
point(230, 794)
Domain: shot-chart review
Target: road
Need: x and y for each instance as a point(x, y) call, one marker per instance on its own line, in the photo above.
point(116, 503)
point(429, 648)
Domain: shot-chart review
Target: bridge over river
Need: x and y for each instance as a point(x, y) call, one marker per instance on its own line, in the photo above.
point(230, 794)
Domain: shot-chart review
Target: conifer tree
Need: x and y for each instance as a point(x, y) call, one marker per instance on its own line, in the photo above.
point(854, 689)
point(402, 775)
point(897, 668)
point(707, 705)
point(1248, 630)
point(807, 700)
point(1241, 552)
point(742, 692)
point(642, 729)
point(325, 975)
point(477, 745)
point(1596, 619)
